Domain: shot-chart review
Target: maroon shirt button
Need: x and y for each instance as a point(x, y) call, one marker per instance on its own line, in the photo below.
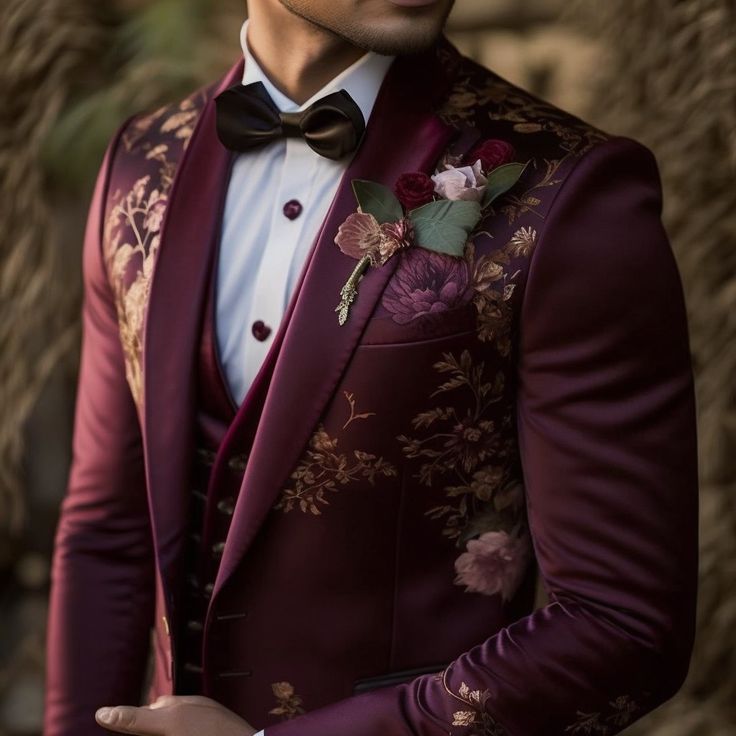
point(292, 209)
point(260, 330)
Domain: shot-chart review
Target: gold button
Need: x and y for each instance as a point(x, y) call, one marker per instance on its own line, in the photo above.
point(166, 625)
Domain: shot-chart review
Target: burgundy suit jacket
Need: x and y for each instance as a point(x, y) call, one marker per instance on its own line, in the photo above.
point(538, 390)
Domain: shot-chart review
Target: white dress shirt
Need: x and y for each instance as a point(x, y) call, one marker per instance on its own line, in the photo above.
point(262, 251)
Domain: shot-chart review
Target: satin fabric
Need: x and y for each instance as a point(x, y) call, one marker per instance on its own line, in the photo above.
point(555, 357)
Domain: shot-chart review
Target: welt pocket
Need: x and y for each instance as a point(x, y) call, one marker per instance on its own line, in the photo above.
point(393, 678)
point(384, 331)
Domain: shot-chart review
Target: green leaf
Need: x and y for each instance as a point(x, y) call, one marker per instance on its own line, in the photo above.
point(377, 200)
point(500, 180)
point(444, 226)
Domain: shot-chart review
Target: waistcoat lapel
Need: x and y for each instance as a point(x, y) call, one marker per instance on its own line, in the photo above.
point(403, 134)
point(175, 308)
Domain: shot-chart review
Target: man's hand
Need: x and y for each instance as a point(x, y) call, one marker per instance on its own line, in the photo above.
point(175, 715)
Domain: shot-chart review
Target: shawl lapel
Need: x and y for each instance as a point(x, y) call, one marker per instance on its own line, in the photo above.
point(404, 134)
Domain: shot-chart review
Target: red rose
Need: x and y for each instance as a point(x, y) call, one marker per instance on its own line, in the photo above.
point(492, 153)
point(414, 189)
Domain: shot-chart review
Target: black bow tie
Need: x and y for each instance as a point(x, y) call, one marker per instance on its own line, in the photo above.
point(247, 117)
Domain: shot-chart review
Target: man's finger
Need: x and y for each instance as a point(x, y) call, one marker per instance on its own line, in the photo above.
point(131, 719)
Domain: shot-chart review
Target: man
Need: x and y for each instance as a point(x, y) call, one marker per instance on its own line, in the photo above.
point(367, 331)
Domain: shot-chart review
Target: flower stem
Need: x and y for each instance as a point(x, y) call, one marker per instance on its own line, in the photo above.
point(350, 290)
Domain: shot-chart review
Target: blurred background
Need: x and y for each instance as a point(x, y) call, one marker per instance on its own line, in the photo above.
point(662, 71)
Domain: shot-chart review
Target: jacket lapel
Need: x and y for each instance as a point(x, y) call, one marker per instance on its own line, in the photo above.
point(172, 327)
point(403, 134)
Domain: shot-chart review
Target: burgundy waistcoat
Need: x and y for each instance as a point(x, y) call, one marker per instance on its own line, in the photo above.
point(211, 506)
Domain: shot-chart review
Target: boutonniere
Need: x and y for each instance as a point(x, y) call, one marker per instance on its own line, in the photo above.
point(436, 212)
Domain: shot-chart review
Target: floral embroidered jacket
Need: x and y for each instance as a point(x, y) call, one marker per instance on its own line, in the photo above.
point(527, 406)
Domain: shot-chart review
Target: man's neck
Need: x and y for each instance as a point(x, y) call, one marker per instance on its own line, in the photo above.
point(298, 57)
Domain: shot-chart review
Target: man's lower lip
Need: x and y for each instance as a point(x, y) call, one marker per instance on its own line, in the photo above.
point(413, 3)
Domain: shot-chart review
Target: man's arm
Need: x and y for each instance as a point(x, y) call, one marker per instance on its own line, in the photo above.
point(101, 606)
point(607, 432)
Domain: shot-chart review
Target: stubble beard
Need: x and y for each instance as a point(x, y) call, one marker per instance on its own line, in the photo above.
point(371, 36)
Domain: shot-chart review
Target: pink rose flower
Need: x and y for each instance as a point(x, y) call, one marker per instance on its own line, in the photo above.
point(494, 563)
point(465, 182)
point(491, 153)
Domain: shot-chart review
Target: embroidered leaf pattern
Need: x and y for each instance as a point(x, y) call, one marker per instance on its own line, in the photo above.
point(473, 714)
point(132, 228)
point(323, 469)
point(462, 447)
point(620, 713)
point(289, 704)
point(494, 287)
point(475, 94)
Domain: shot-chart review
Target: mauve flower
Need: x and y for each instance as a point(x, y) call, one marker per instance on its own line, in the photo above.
point(491, 154)
point(414, 189)
point(359, 235)
point(401, 231)
point(465, 182)
point(426, 283)
point(494, 563)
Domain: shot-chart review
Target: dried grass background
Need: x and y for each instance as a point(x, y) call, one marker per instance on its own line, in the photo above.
point(669, 79)
point(71, 70)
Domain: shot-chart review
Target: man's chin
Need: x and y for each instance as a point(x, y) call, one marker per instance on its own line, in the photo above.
point(403, 29)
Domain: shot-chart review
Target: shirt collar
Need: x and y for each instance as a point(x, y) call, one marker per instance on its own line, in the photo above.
point(361, 80)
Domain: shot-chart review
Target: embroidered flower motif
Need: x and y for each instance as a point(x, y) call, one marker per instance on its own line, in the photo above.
point(620, 713)
point(156, 207)
point(467, 452)
point(426, 283)
point(324, 469)
point(289, 704)
point(414, 189)
point(474, 714)
point(463, 183)
point(522, 242)
point(494, 563)
point(133, 224)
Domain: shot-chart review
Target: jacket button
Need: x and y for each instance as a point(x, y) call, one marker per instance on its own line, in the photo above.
point(218, 548)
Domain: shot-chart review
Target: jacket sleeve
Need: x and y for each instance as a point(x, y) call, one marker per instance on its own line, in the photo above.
point(102, 584)
point(607, 435)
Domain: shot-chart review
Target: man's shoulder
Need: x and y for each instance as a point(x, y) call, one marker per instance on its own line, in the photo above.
point(478, 97)
point(165, 129)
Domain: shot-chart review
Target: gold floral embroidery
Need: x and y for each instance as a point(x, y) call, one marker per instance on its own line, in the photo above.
point(132, 230)
point(142, 212)
point(522, 242)
point(528, 115)
point(289, 704)
point(493, 304)
point(478, 96)
point(621, 711)
point(353, 416)
point(473, 713)
point(323, 469)
point(470, 451)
